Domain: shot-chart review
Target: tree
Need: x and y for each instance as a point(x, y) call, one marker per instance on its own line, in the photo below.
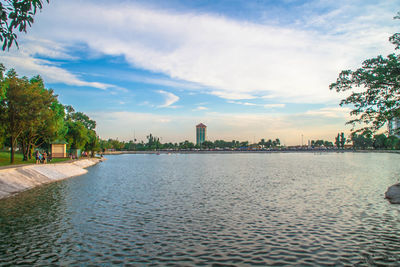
point(153, 142)
point(207, 144)
point(42, 123)
point(268, 143)
point(16, 107)
point(80, 130)
point(392, 142)
point(2, 97)
point(79, 116)
point(363, 140)
point(16, 15)
point(186, 145)
point(377, 99)
point(342, 140)
point(93, 143)
point(328, 144)
point(276, 142)
point(337, 141)
point(244, 144)
point(77, 134)
point(379, 141)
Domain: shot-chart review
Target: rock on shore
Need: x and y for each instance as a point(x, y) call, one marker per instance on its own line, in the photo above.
point(14, 180)
point(393, 194)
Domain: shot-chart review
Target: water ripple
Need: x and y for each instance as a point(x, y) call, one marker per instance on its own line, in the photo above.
point(219, 210)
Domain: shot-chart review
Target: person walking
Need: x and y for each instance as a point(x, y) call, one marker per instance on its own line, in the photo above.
point(37, 156)
point(44, 157)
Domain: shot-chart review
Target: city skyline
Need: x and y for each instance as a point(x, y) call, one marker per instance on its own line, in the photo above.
point(248, 70)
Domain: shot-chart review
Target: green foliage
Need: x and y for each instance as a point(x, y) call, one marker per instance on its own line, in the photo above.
point(79, 131)
point(15, 108)
point(337, 140)
point(340, 140)
point(207, 145)
point(186, 145)
point(392, 142)
point(366, 140)
point(81, 117)
point(395, 38)
point(363, 140)
point(379, 141)
point(153, 142)
point(321, 143)
point(16, 15)
point(31, 116)
point(375, 90)
point(77, 134)
point(92, 143)
point(270, 143)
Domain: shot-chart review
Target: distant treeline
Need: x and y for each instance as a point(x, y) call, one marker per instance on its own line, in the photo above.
point(359, 141)
point(31, 117)
point(367, 140)
point(153, 143)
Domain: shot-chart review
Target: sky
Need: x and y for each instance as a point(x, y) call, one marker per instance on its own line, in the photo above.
point(247, 69)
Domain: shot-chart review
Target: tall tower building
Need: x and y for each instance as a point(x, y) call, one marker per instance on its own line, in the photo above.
point(200, 133)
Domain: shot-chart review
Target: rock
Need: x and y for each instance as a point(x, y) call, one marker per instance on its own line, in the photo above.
point(393, 194)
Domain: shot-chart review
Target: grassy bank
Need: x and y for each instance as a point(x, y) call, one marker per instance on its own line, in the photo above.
point(5, 159)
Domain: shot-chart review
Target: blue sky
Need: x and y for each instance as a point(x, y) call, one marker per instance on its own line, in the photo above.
point(246, 69)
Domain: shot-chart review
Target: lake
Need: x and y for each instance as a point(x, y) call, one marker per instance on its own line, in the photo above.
point(210, 209)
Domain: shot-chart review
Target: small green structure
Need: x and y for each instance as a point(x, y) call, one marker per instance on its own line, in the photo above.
point(59, 149)
point(75, 153)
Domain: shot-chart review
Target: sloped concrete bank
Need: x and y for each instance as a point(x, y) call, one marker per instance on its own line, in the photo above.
point(18, 179)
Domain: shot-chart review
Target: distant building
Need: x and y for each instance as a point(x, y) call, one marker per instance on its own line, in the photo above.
point(394, 127)
point(200, 133)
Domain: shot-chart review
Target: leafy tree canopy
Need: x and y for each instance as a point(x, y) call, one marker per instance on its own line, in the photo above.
point(16, 15)
point(26, 111)
point(375, 90)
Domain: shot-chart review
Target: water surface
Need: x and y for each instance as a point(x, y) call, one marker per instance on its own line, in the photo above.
point(195, 209)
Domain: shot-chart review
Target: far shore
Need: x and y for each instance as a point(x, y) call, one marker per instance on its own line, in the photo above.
point(248, 151)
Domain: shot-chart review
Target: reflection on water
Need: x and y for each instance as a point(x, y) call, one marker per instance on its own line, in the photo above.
point(240, 209)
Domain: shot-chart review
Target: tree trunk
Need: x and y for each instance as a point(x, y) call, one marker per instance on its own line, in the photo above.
point(24, 150)
point(30, 148)
point(12, 149)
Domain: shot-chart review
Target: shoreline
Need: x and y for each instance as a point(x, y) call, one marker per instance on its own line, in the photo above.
point(246, 151)
point(16, 179)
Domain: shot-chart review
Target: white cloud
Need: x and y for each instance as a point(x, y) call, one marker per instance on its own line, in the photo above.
point(242, 103)
point(330, 112)
point(34, 46)
point(170, 99)
point(259, 105)
point(235, 59)
point(274, 105)
point(200, 108)
point(24, 62)
point(30, 66)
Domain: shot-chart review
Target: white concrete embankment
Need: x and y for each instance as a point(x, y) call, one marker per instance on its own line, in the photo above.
point(17, 179)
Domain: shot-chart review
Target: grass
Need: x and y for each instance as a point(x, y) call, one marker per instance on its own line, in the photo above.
point(5, 159)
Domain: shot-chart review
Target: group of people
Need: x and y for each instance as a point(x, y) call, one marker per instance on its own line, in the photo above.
point(41, 157)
